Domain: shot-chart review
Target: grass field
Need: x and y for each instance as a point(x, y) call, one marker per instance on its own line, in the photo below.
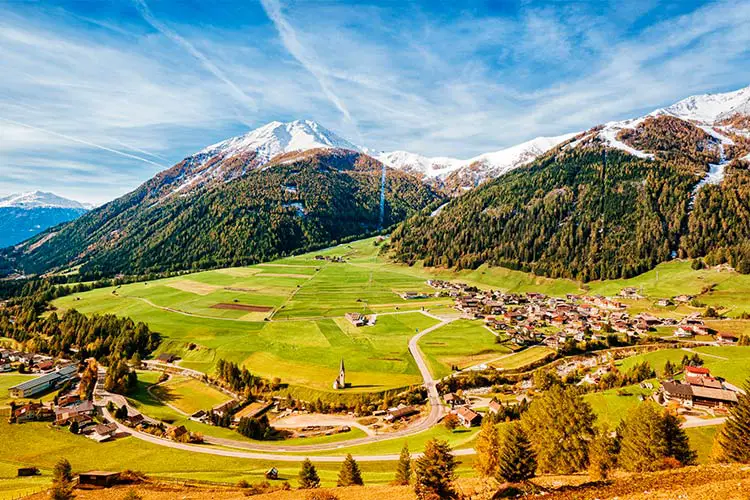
point(523, 358)
point(36, 444)
point(729, 362)
point(463, 343)
point(611, 406)
point(189, 395)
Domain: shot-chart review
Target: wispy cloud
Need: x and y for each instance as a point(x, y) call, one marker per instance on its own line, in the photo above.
point(149, 17)
point(302, 54)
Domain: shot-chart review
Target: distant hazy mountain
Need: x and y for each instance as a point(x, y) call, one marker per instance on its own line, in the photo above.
point(24, 215)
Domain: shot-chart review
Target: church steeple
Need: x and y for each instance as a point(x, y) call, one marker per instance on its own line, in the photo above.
point(340, 382)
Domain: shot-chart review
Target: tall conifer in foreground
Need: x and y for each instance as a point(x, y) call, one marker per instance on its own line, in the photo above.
point(488, 449)
point(560, 427)
point(517, 461)
point(734, 436)
point(403, 468)
point(435, 471)
point(350, 474)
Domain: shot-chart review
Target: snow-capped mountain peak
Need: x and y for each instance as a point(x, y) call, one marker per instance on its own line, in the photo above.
point(709, 108)
point(276, 138)
point(472, 171)
point(39, 199)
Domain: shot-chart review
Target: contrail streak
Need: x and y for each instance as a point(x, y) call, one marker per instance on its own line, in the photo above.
point(82, 141)
point(298, 51)
point(148, 16)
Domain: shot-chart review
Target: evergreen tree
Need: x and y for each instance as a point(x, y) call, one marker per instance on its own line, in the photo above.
point(435, 471)
point(403, 468)
point(517, 460)
point(350, 475)
point(560, 427)
point(488, 449)
point(651, 439)
point(669, 369)
point(308, 476)
point(734, 437)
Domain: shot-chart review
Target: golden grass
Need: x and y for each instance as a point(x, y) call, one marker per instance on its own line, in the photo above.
point(195, 287)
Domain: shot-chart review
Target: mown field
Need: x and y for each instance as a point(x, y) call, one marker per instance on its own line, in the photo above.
point(462, 343)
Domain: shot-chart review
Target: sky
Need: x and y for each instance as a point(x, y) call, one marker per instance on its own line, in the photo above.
point(96, 97)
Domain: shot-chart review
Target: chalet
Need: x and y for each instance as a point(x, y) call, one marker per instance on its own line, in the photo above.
point(494, 407)
point(453, 399)
point(33, 412)
point(134, 419)
point(166, 357)
point(684, 332)
point(45, 366)
point(664, 302)
point(225, 408)
point(356, 319)
point(630, 293)
point(695, 395)
point(175, 433)
point(693, 373)
point(726, 338)
point(399, 413)
point(99, 479)
point(44, 383)
point(103, 432)
point(199, 416)
point(683, 299)
point(64, 414)
point(468, 417)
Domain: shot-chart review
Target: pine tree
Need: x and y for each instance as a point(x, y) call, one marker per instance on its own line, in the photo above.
point(560, 427)
point(669, 369)
point(435, 471)
point(488, 449)
point(651, 439)
point(403, 468)
point(517, 460)
point(734, 437)
point(308, 476)
point(350, 475)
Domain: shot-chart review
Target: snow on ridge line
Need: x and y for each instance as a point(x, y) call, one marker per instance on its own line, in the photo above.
point(40, 199)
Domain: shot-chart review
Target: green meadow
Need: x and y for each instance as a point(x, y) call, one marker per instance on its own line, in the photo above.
point(462, 343)
point(286, 318)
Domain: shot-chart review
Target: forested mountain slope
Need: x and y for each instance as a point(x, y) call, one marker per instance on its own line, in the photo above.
point(563, 216)
point(297, 201)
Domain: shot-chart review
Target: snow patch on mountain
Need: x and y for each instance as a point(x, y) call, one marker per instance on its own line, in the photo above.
point(40, 199)
point(430, 167)
point(609, 135)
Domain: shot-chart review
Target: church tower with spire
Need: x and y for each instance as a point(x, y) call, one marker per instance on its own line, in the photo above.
point(340, 382)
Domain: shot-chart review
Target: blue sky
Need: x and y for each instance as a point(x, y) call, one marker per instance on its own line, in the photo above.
point(96, 97)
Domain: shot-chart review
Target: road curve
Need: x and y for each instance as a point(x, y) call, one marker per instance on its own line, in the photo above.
point(274, 452)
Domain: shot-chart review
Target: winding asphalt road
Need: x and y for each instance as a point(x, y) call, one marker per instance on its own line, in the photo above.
point(279, 453)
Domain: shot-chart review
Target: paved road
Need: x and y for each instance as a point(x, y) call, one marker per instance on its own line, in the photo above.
point(691, 422)
point(275, 451)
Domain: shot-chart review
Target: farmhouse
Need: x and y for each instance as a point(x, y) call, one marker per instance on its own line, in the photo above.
point(356, 319)
point(66, 414)
point(32, 412)
point(103, 432)
point(726, 338)
point(468, 417)
point(697, 395)
point(413, 295)
point(44, 383)
point(453, 399)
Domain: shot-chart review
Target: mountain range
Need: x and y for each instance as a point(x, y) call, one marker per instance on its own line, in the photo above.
point(538, 206)
point(24, 215)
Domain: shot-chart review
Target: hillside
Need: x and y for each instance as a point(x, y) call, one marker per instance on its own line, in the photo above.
point(24, 215)
point(296, 201)
point(673, 186)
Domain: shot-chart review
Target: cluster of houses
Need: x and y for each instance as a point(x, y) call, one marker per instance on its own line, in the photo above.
point(330, 258)
point(527, 318)
point(34, 363)
point(699, 390)
point(460, 407)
